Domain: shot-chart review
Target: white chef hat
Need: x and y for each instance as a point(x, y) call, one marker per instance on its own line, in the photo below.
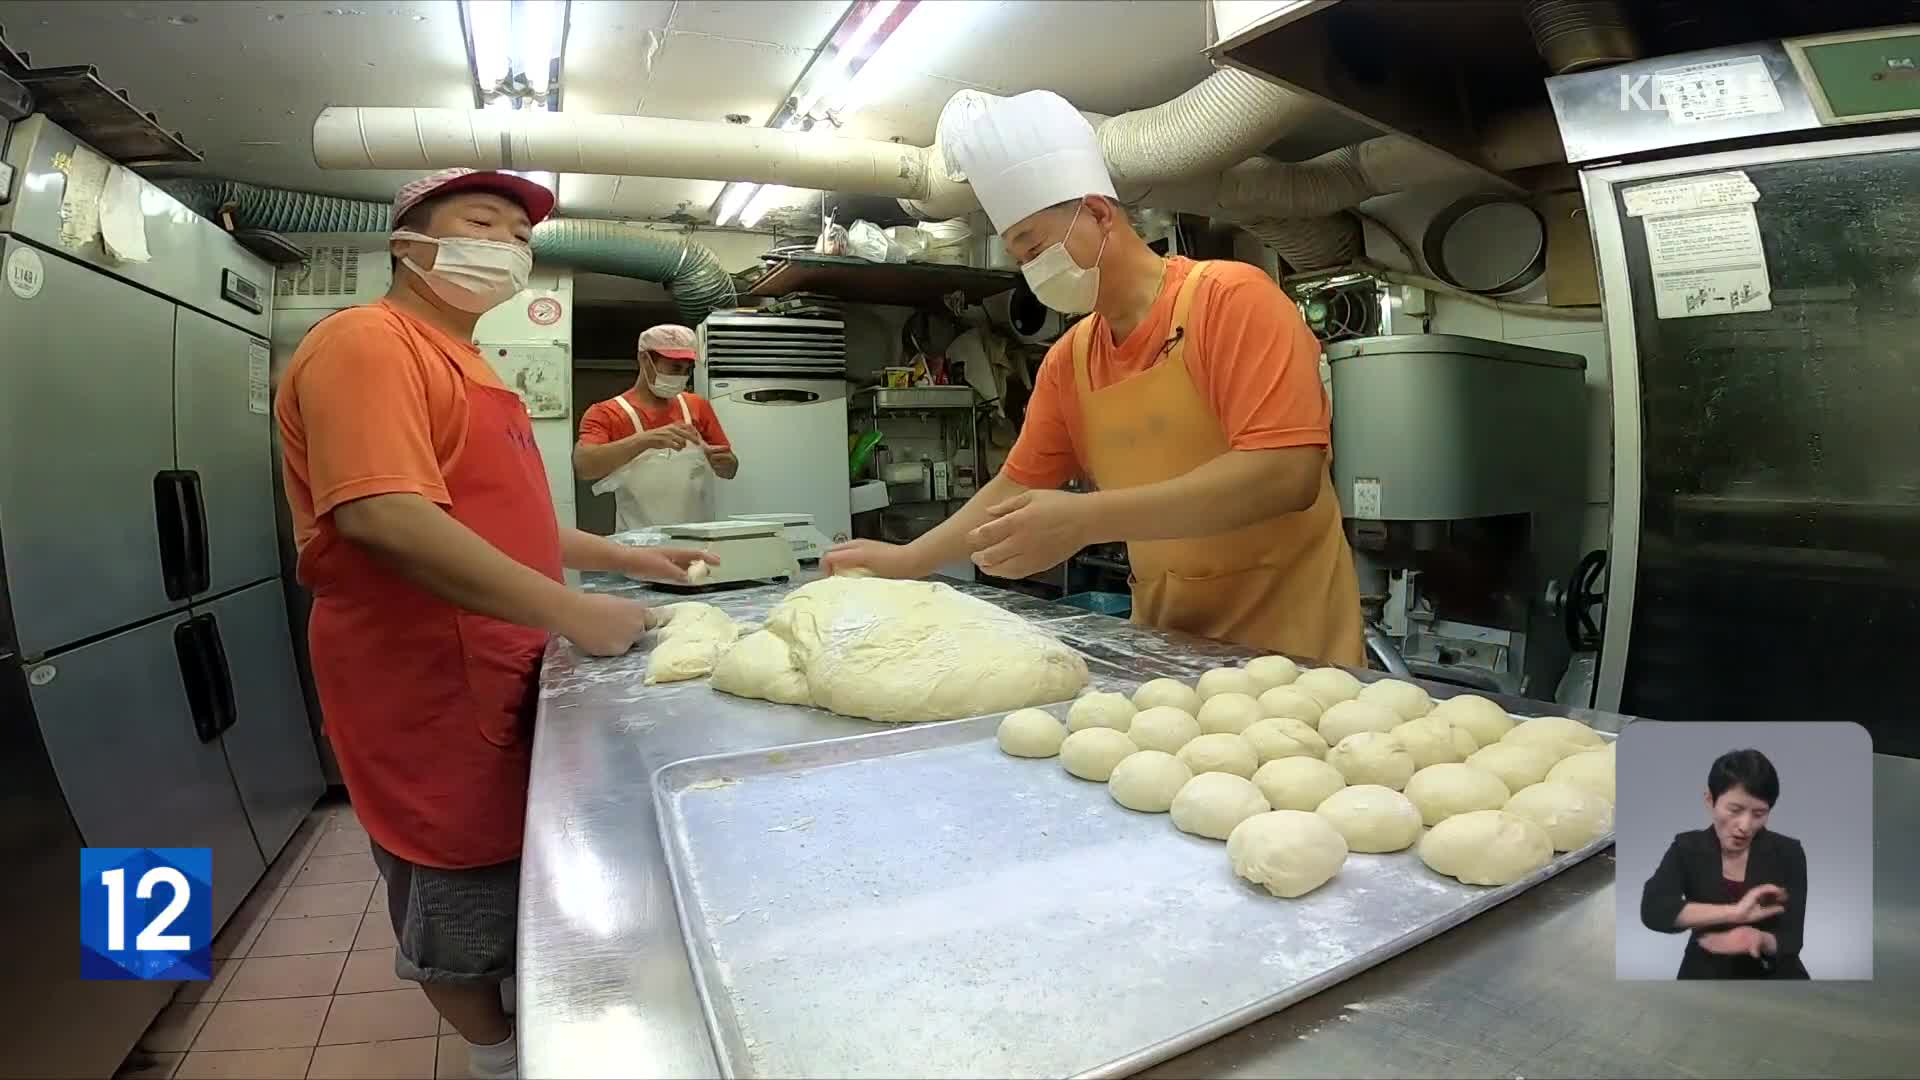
point(1022, 154)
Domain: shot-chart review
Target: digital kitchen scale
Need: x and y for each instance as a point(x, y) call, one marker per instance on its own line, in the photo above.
point(748, 550)
point(806, 539)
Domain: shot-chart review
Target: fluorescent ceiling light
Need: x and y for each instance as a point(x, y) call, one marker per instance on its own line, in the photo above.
point(926, 31)
point(768, 197)
point(733, 199)
point(831, 81)
point(516, 49)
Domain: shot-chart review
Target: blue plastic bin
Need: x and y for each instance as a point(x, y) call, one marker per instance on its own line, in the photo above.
point(1104, 603)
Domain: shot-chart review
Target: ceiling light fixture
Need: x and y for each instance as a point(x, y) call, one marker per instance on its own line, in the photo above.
point(768, 197)
point(515, 48)
point(733, 199)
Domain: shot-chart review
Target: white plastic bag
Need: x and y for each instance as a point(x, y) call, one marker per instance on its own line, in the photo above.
point(865, 240)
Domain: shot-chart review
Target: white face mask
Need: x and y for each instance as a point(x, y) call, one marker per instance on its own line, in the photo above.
point(663, 385)
point(1059, 282)
point(471, 274)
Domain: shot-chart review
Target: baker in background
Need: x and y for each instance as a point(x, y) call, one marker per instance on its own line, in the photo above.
point(428, 537)
point(657, 446)
point(1190, 395)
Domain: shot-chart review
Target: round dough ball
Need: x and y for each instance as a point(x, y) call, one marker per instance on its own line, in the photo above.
point(1516, 764)
point(1486, 847)
point(1283, 737)
point(1148, 781)
point(1559, 734)
point(1163, 727)
point(1328, 685)
point(1352, 717)
point(1572, 816)
point(1091, 753)
point(1226, 680)
point(1410, 701)
point(1211, 804)
point(1441, 791)
point(1297, 783)
point(1434, 739)
point(1373, 819)
point(1220, 752)
point(1268, 672)
point(1291, 852)
point(1372, 757)
point(1293, 703)
point(1484, 720)
point(1229, 712)
point(1171, 693)
point(1107, 709)
point(1588, 769)
point(1031, 733)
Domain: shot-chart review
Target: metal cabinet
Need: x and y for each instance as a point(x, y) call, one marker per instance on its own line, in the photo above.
point(85, 394)
point(130, 754)
point(224, 443)
point(270, 747)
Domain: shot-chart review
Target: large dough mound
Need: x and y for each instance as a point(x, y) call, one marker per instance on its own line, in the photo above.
point(689, 642)
point(1291, 852)
point(906, 651)
point(761, 666)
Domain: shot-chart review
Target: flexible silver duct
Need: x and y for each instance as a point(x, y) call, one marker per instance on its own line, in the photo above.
point(1227, 118)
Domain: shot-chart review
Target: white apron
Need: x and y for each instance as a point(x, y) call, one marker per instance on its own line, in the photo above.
point(660, 487)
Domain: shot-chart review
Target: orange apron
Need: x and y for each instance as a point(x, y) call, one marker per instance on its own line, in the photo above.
point(1285, 585)
point(430, 708)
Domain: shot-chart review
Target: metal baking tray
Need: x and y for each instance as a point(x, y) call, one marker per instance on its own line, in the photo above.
point(916, 903)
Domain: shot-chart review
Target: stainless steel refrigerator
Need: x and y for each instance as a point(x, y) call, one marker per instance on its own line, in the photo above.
point(148, 696)
point(1757, 232)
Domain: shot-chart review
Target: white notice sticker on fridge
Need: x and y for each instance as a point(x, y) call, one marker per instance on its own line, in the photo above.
point(1366, 499)
point(1717, 90)
point(257, 389)
point(1692, 193)
point(1709, 263)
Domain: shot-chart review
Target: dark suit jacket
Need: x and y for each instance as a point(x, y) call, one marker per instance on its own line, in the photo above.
point(1690, 873)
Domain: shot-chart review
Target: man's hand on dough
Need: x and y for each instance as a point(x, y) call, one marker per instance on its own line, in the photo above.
point(1031, 532)
point(873, 556)
point(666, 564)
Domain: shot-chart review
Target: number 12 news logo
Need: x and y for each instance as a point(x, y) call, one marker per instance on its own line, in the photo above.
point(146, 913)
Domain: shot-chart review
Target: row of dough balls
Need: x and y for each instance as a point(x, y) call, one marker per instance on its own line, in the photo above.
point(1244, 758)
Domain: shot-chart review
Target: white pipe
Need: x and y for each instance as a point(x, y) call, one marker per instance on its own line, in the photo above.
point(525, 140)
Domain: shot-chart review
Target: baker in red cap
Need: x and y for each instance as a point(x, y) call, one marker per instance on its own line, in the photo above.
point(428, 538)
point(658, 446)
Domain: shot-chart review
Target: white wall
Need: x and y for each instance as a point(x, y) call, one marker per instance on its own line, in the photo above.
point(509, 324)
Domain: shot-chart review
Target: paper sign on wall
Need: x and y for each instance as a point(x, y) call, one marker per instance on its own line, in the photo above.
point(1707, 263)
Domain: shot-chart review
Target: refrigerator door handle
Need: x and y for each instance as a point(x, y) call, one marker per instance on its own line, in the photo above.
point(171, 515)
point(199, 560)
point(203, 670)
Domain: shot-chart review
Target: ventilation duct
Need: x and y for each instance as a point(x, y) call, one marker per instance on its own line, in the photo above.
point(1198, 153)
point(687, 269)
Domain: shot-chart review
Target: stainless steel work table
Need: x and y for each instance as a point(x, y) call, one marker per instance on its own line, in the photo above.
point(1525, 990)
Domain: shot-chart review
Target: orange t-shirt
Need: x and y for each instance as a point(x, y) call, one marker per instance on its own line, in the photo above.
point(1249, 352)
point(373, 403)
point(605, 421)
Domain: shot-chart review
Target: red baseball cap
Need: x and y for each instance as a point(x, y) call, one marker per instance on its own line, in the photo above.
point(537, 201)
point(670, 341)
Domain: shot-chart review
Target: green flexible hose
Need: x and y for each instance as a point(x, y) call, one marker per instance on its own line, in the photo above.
point(688, 269)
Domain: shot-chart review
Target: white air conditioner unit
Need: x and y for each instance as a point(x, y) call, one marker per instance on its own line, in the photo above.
point(341, 270)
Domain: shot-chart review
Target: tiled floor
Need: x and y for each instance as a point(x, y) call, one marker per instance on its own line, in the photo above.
point(303, 981)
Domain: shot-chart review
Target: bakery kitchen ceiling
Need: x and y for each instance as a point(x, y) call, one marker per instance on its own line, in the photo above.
point(1201, 152)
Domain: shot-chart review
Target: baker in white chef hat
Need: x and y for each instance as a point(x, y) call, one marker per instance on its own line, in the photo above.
point(1190, 395)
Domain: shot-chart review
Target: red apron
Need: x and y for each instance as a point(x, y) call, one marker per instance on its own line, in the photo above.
point(429, 708)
